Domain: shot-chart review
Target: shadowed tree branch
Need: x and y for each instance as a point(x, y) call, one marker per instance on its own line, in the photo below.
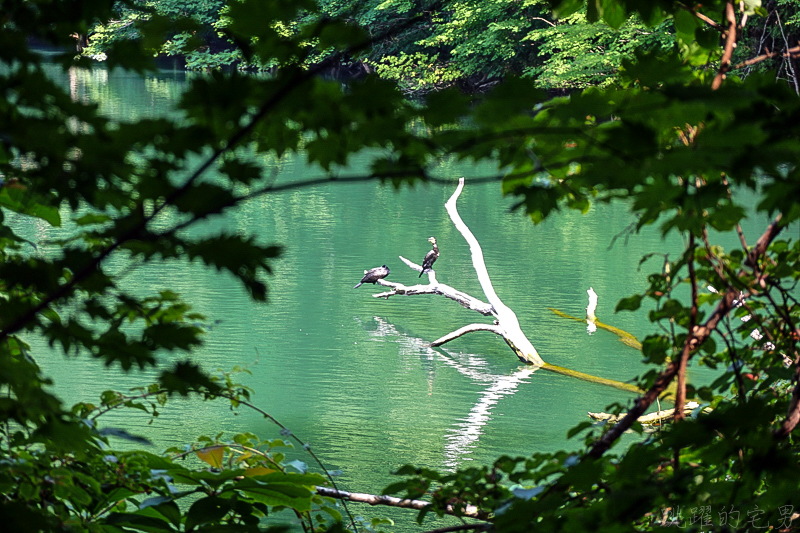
point(692, 342)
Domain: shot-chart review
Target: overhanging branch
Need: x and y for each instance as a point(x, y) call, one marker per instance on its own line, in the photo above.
point(695, 340)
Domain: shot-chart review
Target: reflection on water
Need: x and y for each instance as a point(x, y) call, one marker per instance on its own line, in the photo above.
point(461, 438)
point(464, 438)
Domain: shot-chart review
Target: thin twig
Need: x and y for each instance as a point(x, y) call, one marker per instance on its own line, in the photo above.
point(730, 43)
point(294, 437)
point(735, 358)
point(240, 401)
point(790, 66)
point(702, 17)
point(789, 53)
point(553, 24)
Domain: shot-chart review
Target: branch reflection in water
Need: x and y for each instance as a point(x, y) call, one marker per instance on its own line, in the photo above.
point(462, 438)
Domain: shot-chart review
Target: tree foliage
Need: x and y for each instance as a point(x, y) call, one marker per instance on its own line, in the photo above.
point(573, 53)
point(421, 45)
point(678, 136)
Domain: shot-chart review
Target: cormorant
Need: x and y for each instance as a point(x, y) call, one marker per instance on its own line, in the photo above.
point(373, 275)
point(430, 257)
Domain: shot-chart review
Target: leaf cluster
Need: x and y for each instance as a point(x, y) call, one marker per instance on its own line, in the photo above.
point(221, 484)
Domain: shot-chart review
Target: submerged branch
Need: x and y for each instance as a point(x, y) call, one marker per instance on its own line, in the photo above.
point(592, 379)
point(625, 338)
point(653, 418)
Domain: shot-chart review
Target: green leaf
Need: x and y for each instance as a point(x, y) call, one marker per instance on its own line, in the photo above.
point(172, 336)
point(631, 303)
point(614, 13)
point(507, 101)
point(241, 171)
point(707, 38)
point(241, 256)
point(205, 511)
point(725, 217)
point(138, 522)
point(565, 8)
point(341, 35)
point(290, 495)
point(751, 7)
point(200, 478)
point(685, 23)
point(656, 348)
point(92, 218)
point(307, 480)
point(26, 204)
point(445, 107)
point(577, 429)
point(204, 199)
point(186, 377)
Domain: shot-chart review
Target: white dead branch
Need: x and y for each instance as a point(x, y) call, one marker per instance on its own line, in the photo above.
point(591, 318)
point(469, 511)
point(506, 324)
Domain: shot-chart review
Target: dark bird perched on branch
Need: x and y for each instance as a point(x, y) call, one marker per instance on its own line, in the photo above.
point(430, 257)
point(373, 275)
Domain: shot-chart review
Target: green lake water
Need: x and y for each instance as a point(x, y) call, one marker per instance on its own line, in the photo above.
point(351, 374)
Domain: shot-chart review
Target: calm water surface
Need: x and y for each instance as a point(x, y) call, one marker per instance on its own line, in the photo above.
point(352, 375)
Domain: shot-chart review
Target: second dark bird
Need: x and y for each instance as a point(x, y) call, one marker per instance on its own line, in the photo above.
point(430, 257)
point(373, 275)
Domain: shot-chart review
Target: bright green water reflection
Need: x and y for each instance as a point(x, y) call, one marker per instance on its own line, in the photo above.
point(351, 374)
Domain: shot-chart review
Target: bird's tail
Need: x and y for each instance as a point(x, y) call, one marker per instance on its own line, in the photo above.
point(357, 286)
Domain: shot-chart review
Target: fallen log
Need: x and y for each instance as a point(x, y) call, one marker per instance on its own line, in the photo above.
point(469, 511)
point(651, 419)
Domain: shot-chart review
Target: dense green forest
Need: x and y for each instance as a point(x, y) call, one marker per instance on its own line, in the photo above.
point(471, 44)
point(682, 105)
